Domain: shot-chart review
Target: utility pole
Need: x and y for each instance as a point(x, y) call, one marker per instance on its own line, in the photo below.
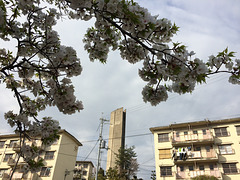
point(101, 145)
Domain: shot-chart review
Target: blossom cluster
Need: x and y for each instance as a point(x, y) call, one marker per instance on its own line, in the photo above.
point(139, 36)
point(38, 73)
point(142, 37)
point(223, 62)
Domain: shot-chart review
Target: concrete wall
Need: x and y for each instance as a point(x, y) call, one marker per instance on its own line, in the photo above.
point(116, 135)
point(66, 158)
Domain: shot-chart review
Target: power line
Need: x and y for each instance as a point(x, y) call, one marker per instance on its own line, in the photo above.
point(144, 106)
point(91, 150)
point(135, 135)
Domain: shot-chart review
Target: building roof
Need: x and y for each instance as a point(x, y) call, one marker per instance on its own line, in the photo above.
point(89, 162)
point(70, 135)
point(195, 123)
point(6, 136)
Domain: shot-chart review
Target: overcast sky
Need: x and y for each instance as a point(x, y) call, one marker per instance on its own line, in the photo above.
point(206, 27)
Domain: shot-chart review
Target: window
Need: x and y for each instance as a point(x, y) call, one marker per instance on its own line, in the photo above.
point(238, 130)
point(190, 168)
point(85, 165)
point(195, 132)
point(45, 171)
point(198, 148)
point(84, 173)
point(49, 155)
point(208, 148)
point(163, 137)
point(221, 132)
point(225, 149)
point(12, 143)
point(229, 168)
point(201, 167)
point(211, 167)
point(7, 157)
point(204, 131)
point(2, 144)
point(164, 153)
point(185, 133)
point(177, 134)
point(166, 171)
point(181, 168)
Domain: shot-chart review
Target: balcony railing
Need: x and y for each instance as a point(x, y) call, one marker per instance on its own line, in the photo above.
point(5, 176)
point(210, 155)
point(192, 174)
point(11, 162)
point(16, 147)
point(176, 138)
point(30, 176)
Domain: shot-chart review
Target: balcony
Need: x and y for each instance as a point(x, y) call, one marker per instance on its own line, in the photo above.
point(192, 174)
point(17, 175)
point(16, 147)
point(5, 176)
point(30, 176)
point(199, 156)
point(11, 162)
point(77, 176)
point(197, 138)
point(78, 168)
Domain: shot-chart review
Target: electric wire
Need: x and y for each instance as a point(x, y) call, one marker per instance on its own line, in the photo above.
point(91, 150)
point(144, 106)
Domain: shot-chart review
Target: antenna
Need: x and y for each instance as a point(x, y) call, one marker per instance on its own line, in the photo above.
point(101, 145)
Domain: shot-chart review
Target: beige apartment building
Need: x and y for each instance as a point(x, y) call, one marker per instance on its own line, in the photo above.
point(187, 150)
point(84, 170)
point(59, 158)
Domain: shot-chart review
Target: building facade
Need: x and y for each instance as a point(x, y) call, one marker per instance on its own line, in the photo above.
point(59, 158)
point(187, 150)
point(84, 170)
point(116, 135)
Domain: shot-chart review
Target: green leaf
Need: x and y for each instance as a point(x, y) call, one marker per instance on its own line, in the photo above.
point(226, 50)
point(201, 78)
point(231, 54)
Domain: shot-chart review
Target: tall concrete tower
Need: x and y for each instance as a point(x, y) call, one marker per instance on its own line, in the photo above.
point(116, 135)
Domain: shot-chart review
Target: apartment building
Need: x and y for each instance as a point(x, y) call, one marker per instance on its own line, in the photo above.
point(59, 158)
point(187, 150)
point(84, 170)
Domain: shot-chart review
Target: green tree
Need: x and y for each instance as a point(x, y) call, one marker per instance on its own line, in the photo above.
point(153, 175)
point(113, 174)
point(101, 175)
point(127, 162)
